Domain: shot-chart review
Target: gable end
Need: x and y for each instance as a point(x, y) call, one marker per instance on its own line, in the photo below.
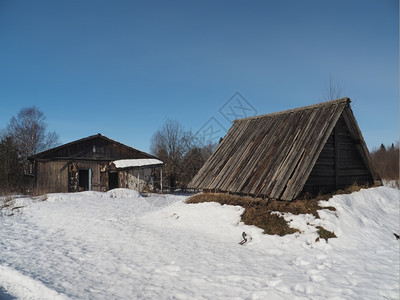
point(340, 163)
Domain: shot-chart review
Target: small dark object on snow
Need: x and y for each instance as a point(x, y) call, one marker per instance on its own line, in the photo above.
point(17, 207)
point(396, 235)
point(244, 235)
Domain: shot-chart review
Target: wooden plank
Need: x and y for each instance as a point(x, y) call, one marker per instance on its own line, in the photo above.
point(286, 136)
point(316, 189)
point(247, 159)
point(231, 153)
point(235, 151)
point(354, 172)
point(346, 181)
point(330, 115)
point(321, 181)
point(274, 152)
point(347, 147)
point(324, 172)
point(337, 155)
point(324, 162)
point(348, 156)
point(269, 154)
point(215, 163)
point(290, 165)
point(352, 166)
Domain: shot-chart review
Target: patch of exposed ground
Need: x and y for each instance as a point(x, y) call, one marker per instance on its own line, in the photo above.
point(259, 212)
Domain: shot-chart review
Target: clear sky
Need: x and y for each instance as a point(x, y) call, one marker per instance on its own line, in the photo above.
point(122, 68)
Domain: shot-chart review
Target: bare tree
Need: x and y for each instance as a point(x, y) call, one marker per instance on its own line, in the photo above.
point(181, 152)
point(333, 91)
point(169, 144)
point(194, 160)
point(29, 132)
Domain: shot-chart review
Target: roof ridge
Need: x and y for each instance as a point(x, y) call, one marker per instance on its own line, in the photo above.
point(326, 103)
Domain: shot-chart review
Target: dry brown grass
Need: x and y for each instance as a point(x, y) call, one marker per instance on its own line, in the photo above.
point(325, 234)
point(258, 211)
point(264, 219)
point(296, 207)
point(347, 190)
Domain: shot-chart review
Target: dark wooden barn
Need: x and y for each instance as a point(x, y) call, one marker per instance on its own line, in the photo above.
point(285, 154)
point(90, 164)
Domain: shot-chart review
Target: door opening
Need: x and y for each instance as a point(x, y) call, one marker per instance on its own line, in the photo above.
point(85, 180)
point(112, 180)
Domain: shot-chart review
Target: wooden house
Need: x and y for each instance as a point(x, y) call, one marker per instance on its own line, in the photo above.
point(286, 154)
point(94, 164)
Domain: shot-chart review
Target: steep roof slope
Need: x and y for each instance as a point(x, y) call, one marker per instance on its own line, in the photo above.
point(272, 155)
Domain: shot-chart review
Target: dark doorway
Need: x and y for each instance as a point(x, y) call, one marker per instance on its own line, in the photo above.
point(112, 180)
point(85, 180)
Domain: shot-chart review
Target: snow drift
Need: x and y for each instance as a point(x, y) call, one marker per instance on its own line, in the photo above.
point(122, 245)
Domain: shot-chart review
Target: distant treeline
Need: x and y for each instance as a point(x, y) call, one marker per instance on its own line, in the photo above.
point(386, 161)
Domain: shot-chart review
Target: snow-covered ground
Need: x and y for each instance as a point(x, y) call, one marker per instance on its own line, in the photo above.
point(120, 245)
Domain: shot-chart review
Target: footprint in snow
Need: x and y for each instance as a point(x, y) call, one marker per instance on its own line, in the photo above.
point(300, 262)
point(170, 270)
point(272, 283)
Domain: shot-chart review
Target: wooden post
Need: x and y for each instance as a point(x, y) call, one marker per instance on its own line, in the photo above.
point(336, 156)
point(161, 180)
point(138, 176)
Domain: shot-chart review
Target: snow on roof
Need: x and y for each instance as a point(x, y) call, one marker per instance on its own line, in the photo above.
point(140, 162)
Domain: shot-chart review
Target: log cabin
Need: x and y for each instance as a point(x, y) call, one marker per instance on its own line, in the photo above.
point(94, 163)
point(283, 155)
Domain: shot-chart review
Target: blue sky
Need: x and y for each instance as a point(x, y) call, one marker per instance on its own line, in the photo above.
point(122, 68)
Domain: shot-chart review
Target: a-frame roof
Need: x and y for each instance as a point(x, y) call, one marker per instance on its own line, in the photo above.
point(273, 155)
point(107, 149)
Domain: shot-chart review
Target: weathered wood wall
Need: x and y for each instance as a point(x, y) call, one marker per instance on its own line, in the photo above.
point(62, 176)
point(340, 163)
point(322, 176)
point(352, 167)
point(52, 176)
point(57, 169)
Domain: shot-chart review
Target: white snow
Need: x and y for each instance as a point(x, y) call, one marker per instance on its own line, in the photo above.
point(391, 183)
point(140, 162)
point(121, 245)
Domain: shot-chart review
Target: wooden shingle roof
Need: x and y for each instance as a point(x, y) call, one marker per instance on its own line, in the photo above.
point(272, 155)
